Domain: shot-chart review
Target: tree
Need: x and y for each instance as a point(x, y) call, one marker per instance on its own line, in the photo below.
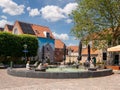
point(99, 18)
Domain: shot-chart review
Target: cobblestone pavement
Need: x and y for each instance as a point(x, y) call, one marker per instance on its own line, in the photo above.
point(8, 82)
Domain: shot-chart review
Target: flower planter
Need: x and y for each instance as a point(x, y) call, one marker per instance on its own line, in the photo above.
point(114, 67)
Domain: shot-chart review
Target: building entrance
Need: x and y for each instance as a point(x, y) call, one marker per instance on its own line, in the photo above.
point(116, 60)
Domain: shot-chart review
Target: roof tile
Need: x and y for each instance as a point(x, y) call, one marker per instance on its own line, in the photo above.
point(39, 31)
point(73, 48)
point(84, 50)
point(59, 44)
point(10, 27)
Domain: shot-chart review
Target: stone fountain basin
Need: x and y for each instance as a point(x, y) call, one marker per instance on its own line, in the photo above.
point(58, 75)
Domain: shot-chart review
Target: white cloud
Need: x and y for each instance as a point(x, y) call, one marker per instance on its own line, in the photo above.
point(68, 20)
point(33, 12)
point(61, 36)
point(3, 17)
point(28, 8)
point(12, 8)
point(3, 22)
point(52, 13)
point(69, 8)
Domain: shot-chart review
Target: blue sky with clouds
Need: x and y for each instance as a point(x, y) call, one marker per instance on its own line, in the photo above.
point(51, 13)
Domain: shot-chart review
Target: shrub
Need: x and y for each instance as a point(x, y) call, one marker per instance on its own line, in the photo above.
point(12, 45)
point(32, 44)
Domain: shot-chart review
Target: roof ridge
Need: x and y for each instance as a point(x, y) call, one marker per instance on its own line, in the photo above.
point(40, 25)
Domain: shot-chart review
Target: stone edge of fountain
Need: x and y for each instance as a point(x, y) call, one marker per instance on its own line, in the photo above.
point(58, 75)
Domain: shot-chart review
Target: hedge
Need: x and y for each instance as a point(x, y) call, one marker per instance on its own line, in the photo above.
point(13, 45)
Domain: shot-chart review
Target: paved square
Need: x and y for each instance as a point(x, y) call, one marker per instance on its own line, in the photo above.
point(8, 82)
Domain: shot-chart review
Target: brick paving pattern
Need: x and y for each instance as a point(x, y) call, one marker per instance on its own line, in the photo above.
point(8, 82)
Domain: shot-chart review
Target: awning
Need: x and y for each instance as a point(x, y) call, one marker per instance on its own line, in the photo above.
point(114, 49)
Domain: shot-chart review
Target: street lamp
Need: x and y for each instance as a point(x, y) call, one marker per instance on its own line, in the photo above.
point(25, 51)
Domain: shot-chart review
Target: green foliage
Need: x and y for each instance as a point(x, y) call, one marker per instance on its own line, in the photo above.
point(8, 44)
point(32, 44)
point(93, 16)
point(12, 45)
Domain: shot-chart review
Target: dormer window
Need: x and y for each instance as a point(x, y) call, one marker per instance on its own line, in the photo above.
point(47, 34)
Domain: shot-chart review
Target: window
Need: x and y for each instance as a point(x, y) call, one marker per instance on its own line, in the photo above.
point(104, 56)
point(15, 31)
point(48, 35)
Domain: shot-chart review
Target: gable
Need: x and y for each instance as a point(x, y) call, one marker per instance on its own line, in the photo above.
point(8, 28)
point(17, 29)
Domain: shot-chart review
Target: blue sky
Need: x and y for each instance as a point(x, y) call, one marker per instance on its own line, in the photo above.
point(51, 13)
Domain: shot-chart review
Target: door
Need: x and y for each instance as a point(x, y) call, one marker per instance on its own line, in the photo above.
point(116, 60)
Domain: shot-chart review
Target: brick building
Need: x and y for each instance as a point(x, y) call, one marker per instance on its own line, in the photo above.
point(59, 50)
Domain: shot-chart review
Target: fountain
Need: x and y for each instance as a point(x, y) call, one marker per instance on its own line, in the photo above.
point(64, 71)
point(60, 73)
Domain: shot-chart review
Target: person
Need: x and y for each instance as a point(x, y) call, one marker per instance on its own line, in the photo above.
point(28, 65)
point(94, 61)
point(86, 64)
